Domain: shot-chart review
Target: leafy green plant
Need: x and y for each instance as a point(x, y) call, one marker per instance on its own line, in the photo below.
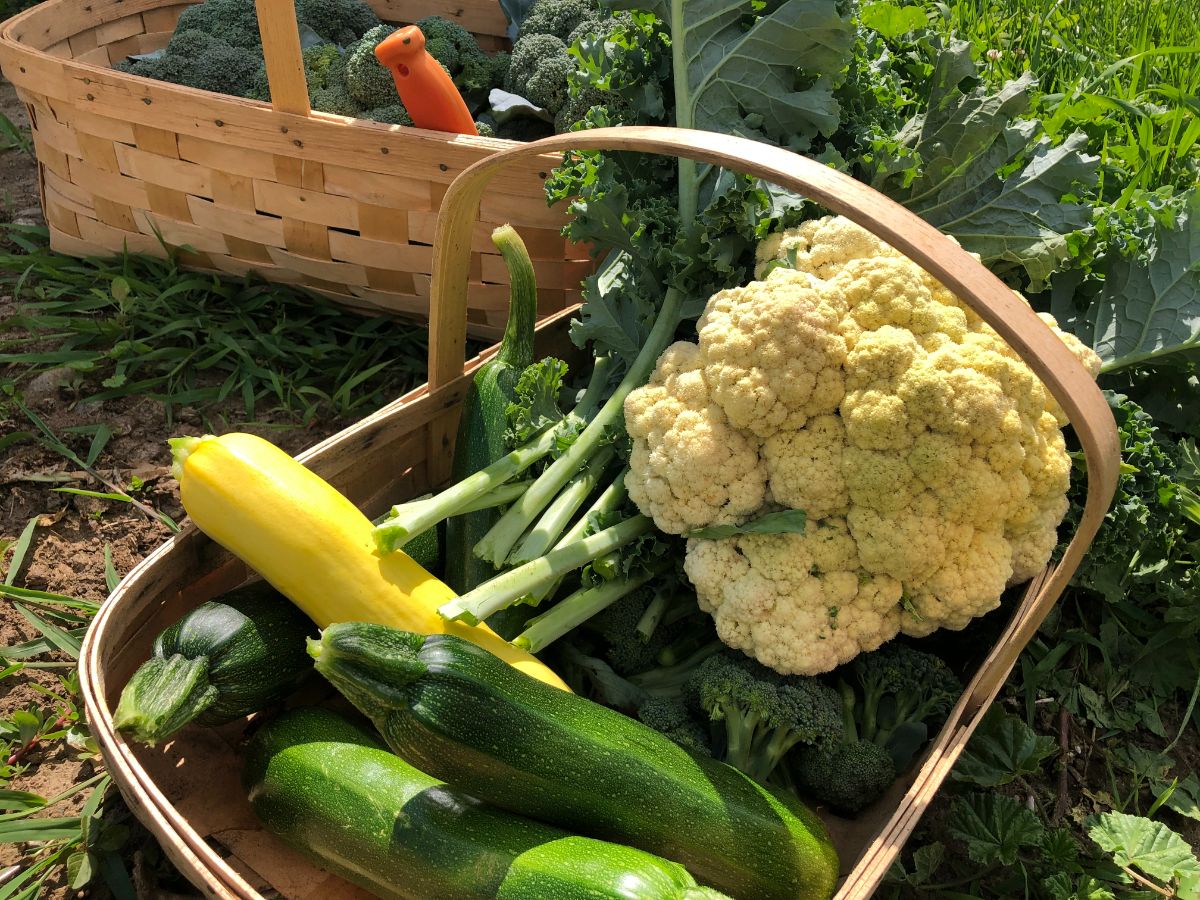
point(14, 136)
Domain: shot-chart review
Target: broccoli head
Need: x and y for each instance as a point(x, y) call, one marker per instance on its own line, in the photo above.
point(199, 60)
point(671, 717)
point(763, 714)
point(847, 776)
point(889, 698)
point(392, 114)
point(340, 22)
point(235, 22)
point(448, 42)
point(575, 109)
point(367, 80)
point(481, 72)
point(322, 65)
point(539, 69)
point(335, 99)
point(485, 126)
point(558, 18)
point(900, 693)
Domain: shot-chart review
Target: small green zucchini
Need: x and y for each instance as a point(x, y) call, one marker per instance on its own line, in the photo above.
point(461, 714)
point(332, 791)
point(484, 420)
point(225, 659)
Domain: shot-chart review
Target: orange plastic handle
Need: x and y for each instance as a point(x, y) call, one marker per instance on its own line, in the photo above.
point(425, 89)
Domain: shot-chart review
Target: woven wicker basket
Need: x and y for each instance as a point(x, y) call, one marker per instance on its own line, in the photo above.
point(187, 792)
point(342, 206)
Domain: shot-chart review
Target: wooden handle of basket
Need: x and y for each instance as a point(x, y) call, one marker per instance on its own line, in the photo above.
point(995, 303)
point(284, 59)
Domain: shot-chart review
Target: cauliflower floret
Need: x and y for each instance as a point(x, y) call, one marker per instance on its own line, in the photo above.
point(772, 352)
point(849, 383)
point(798, 603)
point(688, 467)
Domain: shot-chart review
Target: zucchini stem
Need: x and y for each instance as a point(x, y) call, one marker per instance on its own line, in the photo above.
point(164, 695)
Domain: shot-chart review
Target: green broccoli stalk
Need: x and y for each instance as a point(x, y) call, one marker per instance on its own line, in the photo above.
point(762, 715)
point(579, 607)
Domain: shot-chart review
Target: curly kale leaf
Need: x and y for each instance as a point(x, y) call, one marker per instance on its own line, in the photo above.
point(970, 166)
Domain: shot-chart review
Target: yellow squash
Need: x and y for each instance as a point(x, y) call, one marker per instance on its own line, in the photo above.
point(313, 545)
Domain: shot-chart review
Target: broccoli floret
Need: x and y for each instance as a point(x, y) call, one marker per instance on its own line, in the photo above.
point(889, 698)
point(558, 17)
point(340, 22)
point(539, 69)
point(481, 72)
point(392, 114)
point(847, 776)
point(485, 128)
point(448, 42)
point(235, 22)
point(197, 59)
point(575, 109)
point(335, 99)
point(671, 717)
point(367, 81)
point(761, 714)
point(322, 64)
point(900, 693)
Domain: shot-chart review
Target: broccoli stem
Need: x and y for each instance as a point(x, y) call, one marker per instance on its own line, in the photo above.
point(499, 541)
point(741, 727)
point(411, 519)
point(498, 496)
point(609, 500)
point(558, 514)
point(674, 654)
point(533, 577)
point(908, 709)
point(653, 615)
point(849, 728)
point(578, 608)
point(782, 740)
point(669, 681)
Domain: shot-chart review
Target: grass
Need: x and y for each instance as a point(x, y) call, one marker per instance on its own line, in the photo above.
point(1125, 71)
point(135, 325)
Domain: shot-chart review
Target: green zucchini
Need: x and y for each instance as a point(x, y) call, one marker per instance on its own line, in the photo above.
point(333, 792)
point(225, 659)
point(480, 441)
point(459, 713)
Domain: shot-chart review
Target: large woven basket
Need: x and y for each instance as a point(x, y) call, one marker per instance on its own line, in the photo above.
point(187, 792)
point(342, 206)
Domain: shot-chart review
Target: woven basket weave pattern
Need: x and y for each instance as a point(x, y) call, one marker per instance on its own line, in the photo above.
point(339, 206)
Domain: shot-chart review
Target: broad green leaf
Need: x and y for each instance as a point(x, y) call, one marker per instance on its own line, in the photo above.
point(891, 20)
point(1151, 847)
point(985, 177)
point(785, 521)
point(1149, 310)
point(1184, 798)
point(1003, 748)
point(744, 80)
point(80, 866)
point(925, 862)
point(994, 827)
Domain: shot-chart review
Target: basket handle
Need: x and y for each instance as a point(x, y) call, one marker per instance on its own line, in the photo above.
point(281, 52)
point(962, 274)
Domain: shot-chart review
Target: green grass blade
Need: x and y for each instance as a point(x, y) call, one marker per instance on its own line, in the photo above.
point(20, 549)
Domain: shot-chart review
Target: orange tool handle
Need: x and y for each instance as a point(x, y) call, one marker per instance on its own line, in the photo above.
point(425, 89)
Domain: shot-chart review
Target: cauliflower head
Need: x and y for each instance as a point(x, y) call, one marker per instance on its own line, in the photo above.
point(847, 382)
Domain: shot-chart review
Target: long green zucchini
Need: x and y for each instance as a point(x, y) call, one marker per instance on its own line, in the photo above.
point(225, 659)
point(334, 793)
point(480, 441)
point(461, 714)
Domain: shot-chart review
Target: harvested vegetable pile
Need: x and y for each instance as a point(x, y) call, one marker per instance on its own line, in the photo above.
point(791, 462)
